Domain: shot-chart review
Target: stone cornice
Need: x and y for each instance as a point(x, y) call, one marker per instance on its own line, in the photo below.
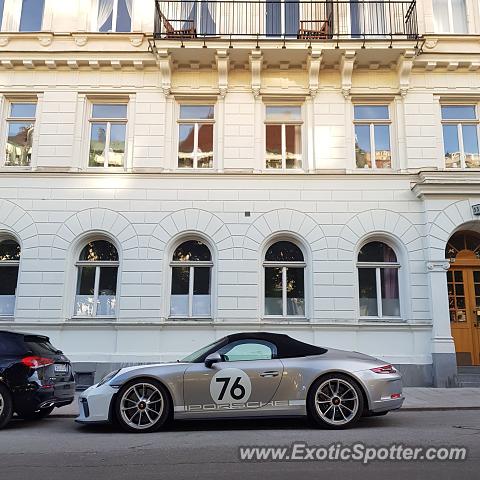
point(447, 183)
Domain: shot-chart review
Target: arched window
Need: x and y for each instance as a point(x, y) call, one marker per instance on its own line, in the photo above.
point(284, 267)
point(9, 264)
point(97, 267)
point(378, 281)
point(191, 277)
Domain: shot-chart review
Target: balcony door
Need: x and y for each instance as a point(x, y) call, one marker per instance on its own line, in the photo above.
point(202, 14)
point(282, 18)
point(368, 18)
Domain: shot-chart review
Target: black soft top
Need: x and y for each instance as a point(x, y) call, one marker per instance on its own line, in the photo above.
point(287, 347)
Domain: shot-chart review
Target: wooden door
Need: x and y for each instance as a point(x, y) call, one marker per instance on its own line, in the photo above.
point(464, 302)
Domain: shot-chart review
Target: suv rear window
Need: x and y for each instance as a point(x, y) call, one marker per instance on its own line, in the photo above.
point(11, 345)
point(40, 346)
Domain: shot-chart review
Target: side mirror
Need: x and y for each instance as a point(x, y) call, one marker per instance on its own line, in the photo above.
point(213, 358)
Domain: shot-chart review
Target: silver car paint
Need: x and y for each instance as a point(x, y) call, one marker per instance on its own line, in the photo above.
point(283, 394)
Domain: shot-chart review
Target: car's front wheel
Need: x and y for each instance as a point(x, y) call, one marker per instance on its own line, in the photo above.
point(142, 406)
point(335, 401)
point(6, 406)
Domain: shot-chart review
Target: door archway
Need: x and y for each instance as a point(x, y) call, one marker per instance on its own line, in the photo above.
point(463, 277)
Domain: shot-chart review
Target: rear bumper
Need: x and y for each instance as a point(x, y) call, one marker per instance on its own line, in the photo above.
point(34, 397)
point(384, 391)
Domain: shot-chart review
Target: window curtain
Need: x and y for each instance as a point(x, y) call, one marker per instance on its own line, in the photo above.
point(390, 286)
point(129, 4)
point(105, 9)
point(188, 12)
point(12, 12)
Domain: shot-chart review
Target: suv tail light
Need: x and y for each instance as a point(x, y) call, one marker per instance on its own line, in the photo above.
point(36, 362)
point(384, 369)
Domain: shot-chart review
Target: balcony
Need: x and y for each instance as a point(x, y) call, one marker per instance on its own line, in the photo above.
point(286, 20)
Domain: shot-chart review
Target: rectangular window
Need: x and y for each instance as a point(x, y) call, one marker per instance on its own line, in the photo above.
point(108, 127)
point(32, 15)
point(460, 136)
point(372, 136)
point(114, 15)
point(283, 137)
point(195, 136)
point(2, 5)
point(20, 128)
point(450, 16)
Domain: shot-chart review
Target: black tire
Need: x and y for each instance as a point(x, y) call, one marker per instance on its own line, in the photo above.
point(38, 415)
point(330, 389)
point(6, 406)
point(142, 400)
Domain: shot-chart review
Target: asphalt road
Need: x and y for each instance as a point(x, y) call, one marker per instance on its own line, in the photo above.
point(57, 448)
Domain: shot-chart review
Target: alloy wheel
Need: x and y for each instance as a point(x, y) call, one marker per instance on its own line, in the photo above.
point(142, 406)
point(2, 404)
point(336, 401)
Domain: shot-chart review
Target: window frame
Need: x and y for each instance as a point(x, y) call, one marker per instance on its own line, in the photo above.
point(378, 283)
point(284, 266)
point(459, 124)
point(12, 263)
point(191, 265)
point(96, 26)
point(372, 123)
point(196, 122)
point(9, 119)
point(98, 265)
point(109, 121)
point(283, 124)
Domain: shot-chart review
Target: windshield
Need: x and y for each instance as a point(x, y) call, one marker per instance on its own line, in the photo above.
point(195, 356)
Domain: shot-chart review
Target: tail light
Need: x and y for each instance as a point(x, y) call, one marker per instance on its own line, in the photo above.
point(36, 362)
point(384, 369)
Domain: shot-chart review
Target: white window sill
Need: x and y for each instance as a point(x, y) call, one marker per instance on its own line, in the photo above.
point(98, 317)
point(382, 319)
point(189, 319)
point(279, 318)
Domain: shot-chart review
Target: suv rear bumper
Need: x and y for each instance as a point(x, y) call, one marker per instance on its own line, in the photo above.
point(38, 397)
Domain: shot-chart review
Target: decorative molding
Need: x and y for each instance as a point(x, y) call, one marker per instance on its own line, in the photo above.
point(4, 40)
point(431, 43)
point(285, 222)
point(256, 61)
point(28, 64)
point(404, 69)
point(51, 64)
point(136, 40)
point(447, 183)
point(346, 71)
point(313, 65)
point(72, 64)
point(7, 64)
point(80, 40)
point(164, 60)
point(222, 69)
point(438, 265)
point(116, 64)
point(138, 64)
point(94, 64)
point(45, 40)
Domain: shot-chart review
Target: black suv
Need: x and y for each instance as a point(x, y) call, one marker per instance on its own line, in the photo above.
point(35, 377)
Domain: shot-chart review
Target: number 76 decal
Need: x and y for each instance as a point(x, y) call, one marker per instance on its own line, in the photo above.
point(230, 385)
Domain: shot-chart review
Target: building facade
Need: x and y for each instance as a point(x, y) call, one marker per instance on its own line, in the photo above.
point(172, 172)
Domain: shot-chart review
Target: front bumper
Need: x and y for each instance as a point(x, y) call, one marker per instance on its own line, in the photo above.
point(94, 404)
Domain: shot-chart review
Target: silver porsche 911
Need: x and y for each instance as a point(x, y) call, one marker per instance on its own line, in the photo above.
point(247, 375)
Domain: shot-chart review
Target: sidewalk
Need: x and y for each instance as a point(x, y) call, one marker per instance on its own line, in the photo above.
point(416, 398)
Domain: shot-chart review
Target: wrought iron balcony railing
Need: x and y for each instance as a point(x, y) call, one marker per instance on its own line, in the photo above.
point(286, 19)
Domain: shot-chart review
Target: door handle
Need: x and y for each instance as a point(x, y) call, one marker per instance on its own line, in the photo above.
point(270, 373)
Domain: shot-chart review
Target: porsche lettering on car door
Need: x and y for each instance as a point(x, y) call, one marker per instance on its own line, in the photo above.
point(247, 377)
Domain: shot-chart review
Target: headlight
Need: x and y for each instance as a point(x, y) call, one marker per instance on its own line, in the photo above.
point(107, 377)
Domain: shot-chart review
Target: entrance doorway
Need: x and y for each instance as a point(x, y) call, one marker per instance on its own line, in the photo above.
point(463, 277)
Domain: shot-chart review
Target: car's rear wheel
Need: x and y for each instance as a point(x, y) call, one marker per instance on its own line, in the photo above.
point(335, 401)
point(6, 406)
point(142, 406)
